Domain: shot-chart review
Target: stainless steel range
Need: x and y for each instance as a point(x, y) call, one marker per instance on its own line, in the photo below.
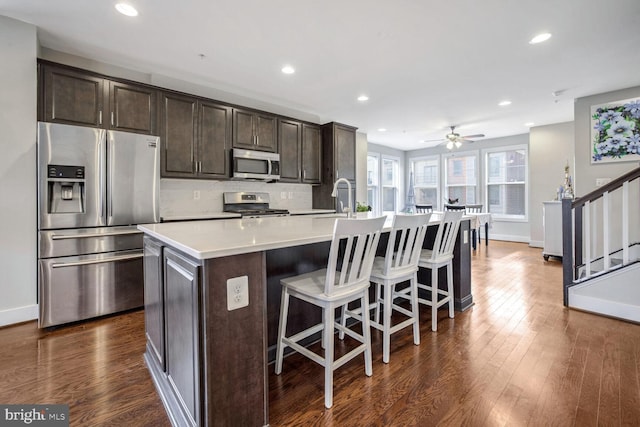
point(250, 205)
point(93, 187)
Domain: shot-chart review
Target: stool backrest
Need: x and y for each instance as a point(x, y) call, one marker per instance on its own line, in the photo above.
point(473, 208)
point(350, 265)
point(447, 234)
point(422, 209)
point(448, 207)
point(405, 243)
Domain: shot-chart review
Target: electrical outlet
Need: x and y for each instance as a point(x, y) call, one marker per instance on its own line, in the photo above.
point(465, 237)
point(283, 194)
point(290, 195)
point(196, 194)
point(602, 181)
point(237, 292)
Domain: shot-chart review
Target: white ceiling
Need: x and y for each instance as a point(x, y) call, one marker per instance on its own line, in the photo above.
point(424, 64)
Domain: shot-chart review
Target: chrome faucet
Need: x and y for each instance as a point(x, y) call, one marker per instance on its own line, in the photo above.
point(349, 207)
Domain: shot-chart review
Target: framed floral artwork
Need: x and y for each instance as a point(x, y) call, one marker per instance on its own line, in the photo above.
point(615, 131)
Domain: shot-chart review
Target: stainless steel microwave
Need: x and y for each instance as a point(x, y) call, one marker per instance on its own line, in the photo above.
point(260, 165)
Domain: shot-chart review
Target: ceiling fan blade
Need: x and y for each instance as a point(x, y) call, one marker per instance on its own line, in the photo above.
point(432, 140)
point(479, 135)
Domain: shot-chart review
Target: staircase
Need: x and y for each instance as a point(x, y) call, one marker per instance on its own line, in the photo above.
point(601, 249)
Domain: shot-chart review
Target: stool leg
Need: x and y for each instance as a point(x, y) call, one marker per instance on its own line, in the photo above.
point(329, 314)
point(282, 329)
point(343, 319)
point(366, 335)
point(414, 309)
point(377, 299)
point(450, 288)
point(386, 326)
point(434, 298)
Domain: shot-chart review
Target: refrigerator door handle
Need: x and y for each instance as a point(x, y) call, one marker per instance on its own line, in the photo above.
point(96, 261)
point(93, 235)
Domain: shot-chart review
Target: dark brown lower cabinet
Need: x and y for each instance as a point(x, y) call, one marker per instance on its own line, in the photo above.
point(154, 299)
point(214, 372)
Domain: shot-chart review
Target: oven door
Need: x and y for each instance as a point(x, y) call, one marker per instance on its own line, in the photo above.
point(81, 287)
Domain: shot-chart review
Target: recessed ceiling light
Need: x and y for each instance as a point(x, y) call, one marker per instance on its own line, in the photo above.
point(504, 103)
point(288, 69)
point(126, 9)
point(382, 130)
point(363, 98)
point(529, 124)
point(540, 38)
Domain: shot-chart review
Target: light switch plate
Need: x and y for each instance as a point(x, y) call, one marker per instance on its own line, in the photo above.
point(237, 292)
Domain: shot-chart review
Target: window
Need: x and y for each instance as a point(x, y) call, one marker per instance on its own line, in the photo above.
point(461, 177)
point(507, 183)
point(372, 181)
point(383, 181)
point(390, 180)
point(426, 180)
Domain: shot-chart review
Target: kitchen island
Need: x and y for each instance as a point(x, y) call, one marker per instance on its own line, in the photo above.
point(212, 296)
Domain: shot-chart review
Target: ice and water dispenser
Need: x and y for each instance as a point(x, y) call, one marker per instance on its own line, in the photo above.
point(66, 189)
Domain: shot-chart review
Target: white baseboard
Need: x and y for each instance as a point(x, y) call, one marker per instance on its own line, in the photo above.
point(536, 244)
point(18, 315)
point(507, 238)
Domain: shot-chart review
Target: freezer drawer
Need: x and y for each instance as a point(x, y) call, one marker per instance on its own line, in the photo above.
point(59, 243)
point(81, 287)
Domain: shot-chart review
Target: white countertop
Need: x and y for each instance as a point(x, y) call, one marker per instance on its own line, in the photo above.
point(218, 238)
point(216, 215)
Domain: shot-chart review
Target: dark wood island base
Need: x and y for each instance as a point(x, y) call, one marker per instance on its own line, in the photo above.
point(208, 363)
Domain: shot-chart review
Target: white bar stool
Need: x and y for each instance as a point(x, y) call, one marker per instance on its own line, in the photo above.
point(345, 279)
point(440, 256)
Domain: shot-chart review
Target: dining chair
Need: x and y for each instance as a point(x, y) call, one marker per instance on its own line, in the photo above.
point(475, 209)
point(440, 256)
point(422, 209)
point(346, 278)
point(449, 207)
point(400, 264)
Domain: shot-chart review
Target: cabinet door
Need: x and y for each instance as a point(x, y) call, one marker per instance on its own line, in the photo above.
point(72, 98)
point(345, 152)
point(266, 132)
point(154, 299)
point(290, 133)
point(311, 154)
point(178, 135)
point(214, 140)
point(132, 108)
point(181, 315)
point(243, 132)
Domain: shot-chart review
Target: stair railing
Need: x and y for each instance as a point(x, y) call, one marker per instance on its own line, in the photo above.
point(579, 232)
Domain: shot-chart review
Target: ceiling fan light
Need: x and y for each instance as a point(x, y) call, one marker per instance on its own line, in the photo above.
point(450, 145)
point(458, 144)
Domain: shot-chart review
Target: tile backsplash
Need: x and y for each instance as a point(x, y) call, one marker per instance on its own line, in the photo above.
point(177, 195)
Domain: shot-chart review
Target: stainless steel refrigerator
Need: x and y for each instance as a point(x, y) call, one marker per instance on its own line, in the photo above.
point(94, 186)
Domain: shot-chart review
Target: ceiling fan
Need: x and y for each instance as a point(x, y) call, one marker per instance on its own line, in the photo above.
point(454, 139)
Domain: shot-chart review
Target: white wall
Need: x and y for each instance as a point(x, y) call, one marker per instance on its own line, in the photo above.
point(361, 167)
point(586, 173)
point(551, 147)
point(18, 223)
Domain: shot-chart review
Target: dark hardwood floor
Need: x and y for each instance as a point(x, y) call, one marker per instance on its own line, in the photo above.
point(516, 358)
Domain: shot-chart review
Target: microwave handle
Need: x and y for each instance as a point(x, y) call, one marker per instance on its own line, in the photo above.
point(270, 167)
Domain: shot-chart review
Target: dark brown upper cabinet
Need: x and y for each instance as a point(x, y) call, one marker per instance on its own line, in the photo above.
point(254, 130)
point(289, 147)
point(338, 161)
point(311, 154)
point(196, 136)
point(214, 139)
point(73, 97)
